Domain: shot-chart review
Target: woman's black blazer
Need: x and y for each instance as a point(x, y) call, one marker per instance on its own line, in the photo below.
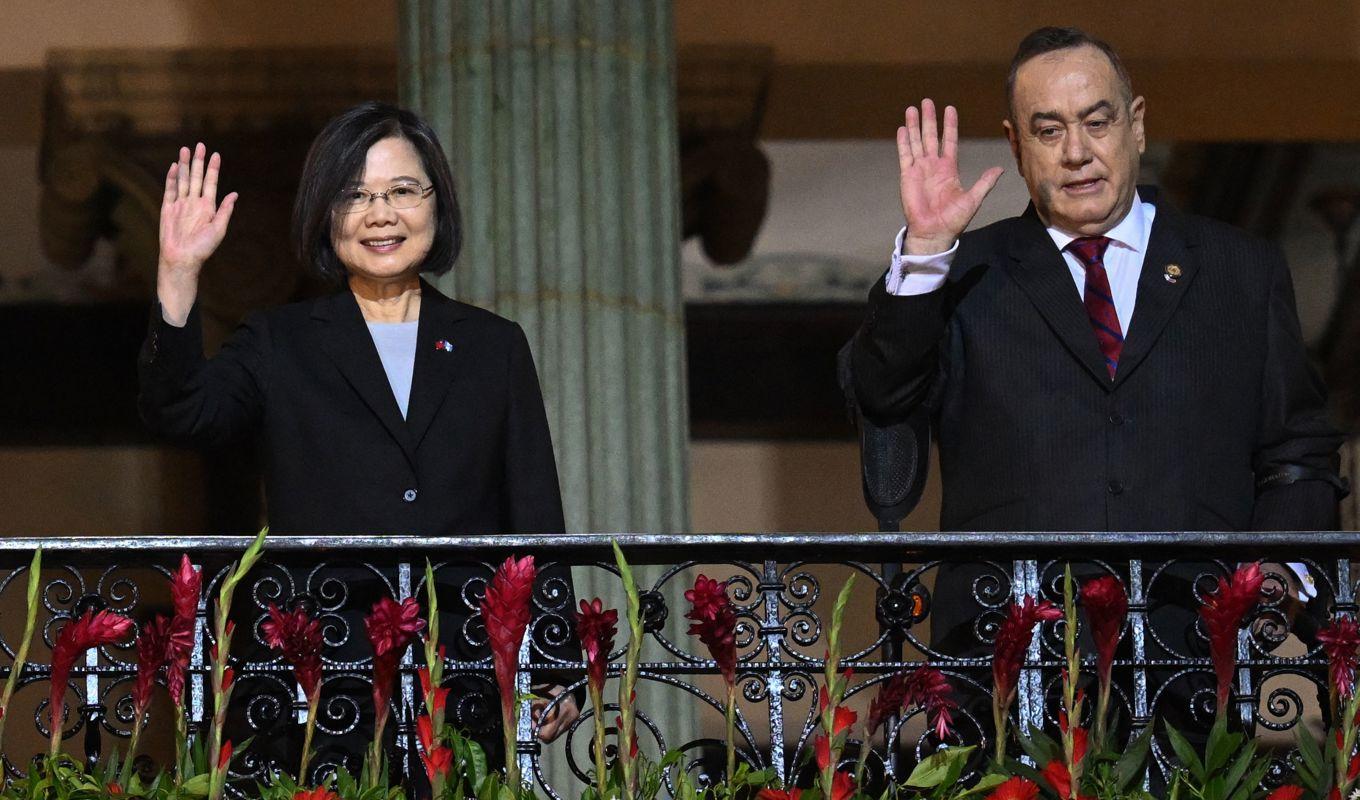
point(473, 455)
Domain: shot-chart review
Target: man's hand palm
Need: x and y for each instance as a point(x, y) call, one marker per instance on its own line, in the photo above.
point(935, 201)
point(936, 205)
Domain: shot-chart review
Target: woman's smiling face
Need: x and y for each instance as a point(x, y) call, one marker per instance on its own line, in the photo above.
point(381, 243)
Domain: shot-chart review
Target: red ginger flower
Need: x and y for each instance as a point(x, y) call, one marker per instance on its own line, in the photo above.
point(1341, 642)
point(319, 793)
point(153, 647)
point(715, 623)
point(780, 794)
point(928, 688)
point(1223, 611)
point(1012, 641)
point(707, 597)
point(1286, 793)
point(297, 636)
point(92, 629)
point(505, 612)
point(891, 697)
point(224, 755)
point(596, 627)
point(1106, 607)
point(185, 583)
point(1016, 788)
point(391, 627)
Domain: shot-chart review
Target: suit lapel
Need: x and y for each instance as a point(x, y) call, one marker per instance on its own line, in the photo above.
point(346, 341)
point(1041, 272)
point(1157, 297)
point(436, 366)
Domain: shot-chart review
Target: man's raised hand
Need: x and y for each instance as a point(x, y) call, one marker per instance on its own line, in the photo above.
point(936, 205)
point(192, 226)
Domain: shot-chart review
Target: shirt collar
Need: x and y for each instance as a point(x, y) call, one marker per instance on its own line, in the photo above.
point(1128, 232)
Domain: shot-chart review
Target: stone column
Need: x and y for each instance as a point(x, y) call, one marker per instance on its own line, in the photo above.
point(559, 120)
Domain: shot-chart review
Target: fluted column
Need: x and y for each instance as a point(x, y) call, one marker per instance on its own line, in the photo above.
point(559, 119)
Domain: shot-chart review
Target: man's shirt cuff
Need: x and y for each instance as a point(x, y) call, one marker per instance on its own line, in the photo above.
point(1307, 586)
point(912, 275)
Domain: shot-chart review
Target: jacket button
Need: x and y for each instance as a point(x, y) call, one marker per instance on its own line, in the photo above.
point(1116, 419)
point(409, 495)
point(1116, 487)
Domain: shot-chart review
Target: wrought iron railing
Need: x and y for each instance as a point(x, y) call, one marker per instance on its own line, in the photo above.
point(782, 586)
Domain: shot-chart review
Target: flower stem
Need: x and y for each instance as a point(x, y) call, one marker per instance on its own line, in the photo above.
point(125, 774)
point(21, 656)
point(511, 757)
point(1348, 735)
point(313, 701)
point(601, 769)
point(628, 679)
point(1071, 706)
point(999, 707)
point(375, 751)
point(181, 740)
point(731, 732)
point(1102, 708)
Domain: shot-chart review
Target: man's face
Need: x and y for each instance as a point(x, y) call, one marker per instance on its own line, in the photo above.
point(1076, 139)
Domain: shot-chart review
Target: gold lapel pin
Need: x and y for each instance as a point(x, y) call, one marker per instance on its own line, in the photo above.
point(1172, 273)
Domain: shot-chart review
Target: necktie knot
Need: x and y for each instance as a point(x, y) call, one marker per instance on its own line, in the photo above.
point(1089, 249)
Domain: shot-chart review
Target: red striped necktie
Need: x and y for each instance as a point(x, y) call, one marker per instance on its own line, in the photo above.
point(1090, 251)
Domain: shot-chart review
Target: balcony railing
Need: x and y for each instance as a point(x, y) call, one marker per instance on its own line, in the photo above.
point(783, 586)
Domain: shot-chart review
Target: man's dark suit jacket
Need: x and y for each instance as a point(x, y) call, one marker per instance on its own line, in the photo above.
point(1212, 399)
point(1213, 396)
point(473, 455)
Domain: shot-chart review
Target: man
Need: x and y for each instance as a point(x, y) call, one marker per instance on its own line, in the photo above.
point(1101, 362)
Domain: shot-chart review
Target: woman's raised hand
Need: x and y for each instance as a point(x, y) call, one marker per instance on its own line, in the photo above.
point(936, 205)
point(192, 226)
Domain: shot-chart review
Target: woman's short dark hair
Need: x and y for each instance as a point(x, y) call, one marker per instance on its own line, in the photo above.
point(336, 159)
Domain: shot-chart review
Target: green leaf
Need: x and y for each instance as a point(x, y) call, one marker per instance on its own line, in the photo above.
point(985, 783)
point(935, 769)
point(1186, 753)
point(1220, 745)
point(1214, 789)
point(1239, 767)
point(1312, 764)
point(1133, 763)
point(196, 786)
point(1253, 780)
point(1040, 746)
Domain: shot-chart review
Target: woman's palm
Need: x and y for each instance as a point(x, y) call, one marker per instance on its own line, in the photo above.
point(192, 223)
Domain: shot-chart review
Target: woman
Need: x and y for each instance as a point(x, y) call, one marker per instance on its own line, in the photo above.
point(384, 407)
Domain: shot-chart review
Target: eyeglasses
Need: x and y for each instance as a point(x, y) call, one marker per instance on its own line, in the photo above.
point(403, 195)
